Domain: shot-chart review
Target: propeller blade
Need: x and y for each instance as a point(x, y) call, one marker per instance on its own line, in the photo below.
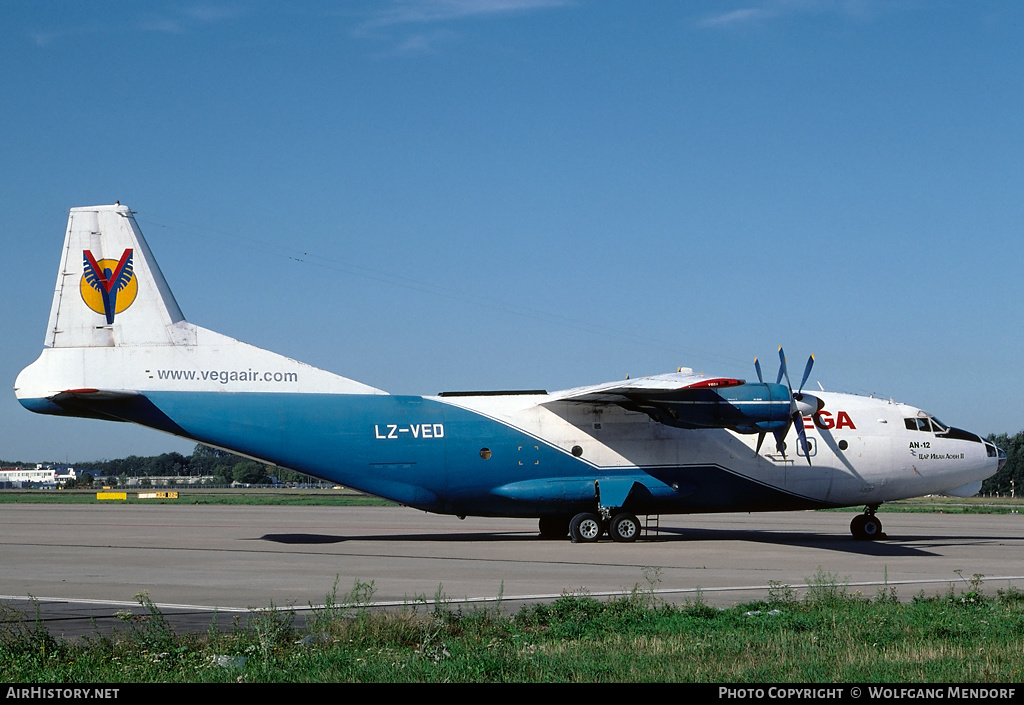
point(783, 372)
point(798, 421)
point(780, 441)
point(807, 373)
point(757, 366)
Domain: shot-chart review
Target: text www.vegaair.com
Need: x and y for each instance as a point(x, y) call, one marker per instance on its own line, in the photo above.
point(224, 376)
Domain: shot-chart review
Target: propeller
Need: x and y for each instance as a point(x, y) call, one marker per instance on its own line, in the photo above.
point(796, 415)
point(800, 405)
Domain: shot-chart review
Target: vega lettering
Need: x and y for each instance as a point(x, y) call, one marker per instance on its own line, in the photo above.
point(416, 430)
point(823, 419)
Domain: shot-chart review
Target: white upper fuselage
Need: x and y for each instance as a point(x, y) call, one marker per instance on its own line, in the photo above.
point(861, 450)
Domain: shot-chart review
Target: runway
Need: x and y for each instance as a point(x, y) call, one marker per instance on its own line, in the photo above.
point(84, 563)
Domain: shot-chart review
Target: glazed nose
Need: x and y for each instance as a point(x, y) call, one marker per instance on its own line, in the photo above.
point(995, 451)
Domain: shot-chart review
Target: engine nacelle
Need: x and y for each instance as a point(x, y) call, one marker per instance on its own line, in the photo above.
point(744, 408)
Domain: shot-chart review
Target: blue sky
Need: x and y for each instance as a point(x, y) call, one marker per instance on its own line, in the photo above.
point(477, 194)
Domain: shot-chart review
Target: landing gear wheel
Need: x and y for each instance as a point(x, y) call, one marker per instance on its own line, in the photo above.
point(585, 528)
point(624, 528)
point(866, 527)
point(554, 527)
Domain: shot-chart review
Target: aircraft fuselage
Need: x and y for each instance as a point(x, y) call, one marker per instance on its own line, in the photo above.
point(584, 460)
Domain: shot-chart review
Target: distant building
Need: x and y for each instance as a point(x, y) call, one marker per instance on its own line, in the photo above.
point(39, 476)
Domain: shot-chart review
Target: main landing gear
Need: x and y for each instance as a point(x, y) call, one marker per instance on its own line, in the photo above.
point(588, 527)
point(866, 526)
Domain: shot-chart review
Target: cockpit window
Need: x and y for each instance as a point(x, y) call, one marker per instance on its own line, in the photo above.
point(925, 423)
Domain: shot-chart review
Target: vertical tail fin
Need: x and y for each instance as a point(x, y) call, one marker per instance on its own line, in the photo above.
point(115, 333)
point(110, 291)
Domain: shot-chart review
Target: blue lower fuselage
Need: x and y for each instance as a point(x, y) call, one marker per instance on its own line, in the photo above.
point(439, 457)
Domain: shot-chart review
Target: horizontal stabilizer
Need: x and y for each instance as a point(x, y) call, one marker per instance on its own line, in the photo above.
point(89, 394)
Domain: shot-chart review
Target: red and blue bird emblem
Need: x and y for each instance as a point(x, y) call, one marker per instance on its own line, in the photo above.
point(108, 286)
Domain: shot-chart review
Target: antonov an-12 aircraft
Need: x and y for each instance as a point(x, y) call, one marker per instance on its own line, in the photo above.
point(586, 462)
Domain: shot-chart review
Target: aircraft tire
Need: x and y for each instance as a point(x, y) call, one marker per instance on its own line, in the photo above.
point(585, 528)
point(625, 528)
point(856, 526)
point(554, 527)
point(866, 527)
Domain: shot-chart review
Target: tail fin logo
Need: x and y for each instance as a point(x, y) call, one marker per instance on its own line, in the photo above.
point(108, 286)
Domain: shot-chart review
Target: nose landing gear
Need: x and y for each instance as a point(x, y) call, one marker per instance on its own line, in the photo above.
point(866, 526)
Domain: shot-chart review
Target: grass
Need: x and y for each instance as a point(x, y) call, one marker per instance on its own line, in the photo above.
point(952, 505)
point(829, 635)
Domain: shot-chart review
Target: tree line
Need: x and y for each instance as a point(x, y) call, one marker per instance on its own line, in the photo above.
point(204, 461)
point(1011, 476)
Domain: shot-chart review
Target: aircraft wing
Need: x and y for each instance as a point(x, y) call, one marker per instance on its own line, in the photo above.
point(686, 400)
point(642, 388)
